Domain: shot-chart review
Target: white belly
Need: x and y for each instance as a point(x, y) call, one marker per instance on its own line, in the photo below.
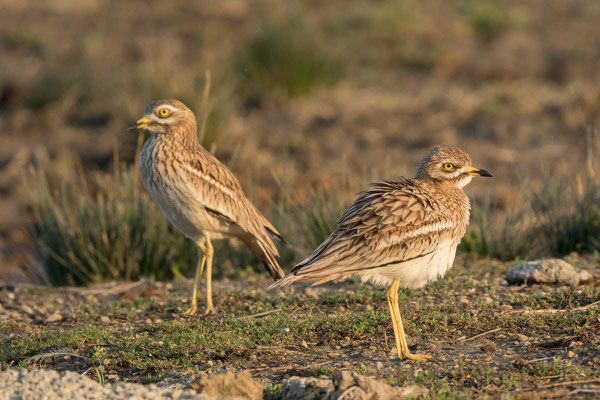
point(415, 273)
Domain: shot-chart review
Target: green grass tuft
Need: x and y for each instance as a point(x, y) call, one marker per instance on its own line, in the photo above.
point(502, 235)
point(108, 229)
point(283, 59)
point(569, 215)
point(488, 18)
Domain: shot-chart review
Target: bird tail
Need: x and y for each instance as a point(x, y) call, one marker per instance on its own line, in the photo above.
point(284, 281)
point(267, 253)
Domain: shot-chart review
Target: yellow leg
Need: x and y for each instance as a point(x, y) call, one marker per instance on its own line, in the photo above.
point(199, 268)
point(209, 261)
point(401, 344)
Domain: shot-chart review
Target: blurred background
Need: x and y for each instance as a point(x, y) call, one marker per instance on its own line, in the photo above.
point(307, 102)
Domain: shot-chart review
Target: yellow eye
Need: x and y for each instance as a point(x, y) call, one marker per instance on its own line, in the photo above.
point(164, 112)
point(448, 167)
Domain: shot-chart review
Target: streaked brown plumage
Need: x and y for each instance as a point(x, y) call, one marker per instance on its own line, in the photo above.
point(197, 193)
point(399, 233)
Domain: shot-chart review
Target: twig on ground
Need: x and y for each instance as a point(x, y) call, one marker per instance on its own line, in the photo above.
point(119, 288)
point(480, 335)
point(551, 310)
point(571, 393)
point(262, 314)
point(550, 376)
point(53, 354)
point(570, 383)
point(540, 359)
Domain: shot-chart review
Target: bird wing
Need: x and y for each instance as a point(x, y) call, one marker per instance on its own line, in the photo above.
point(221, 194)
point(394, 221)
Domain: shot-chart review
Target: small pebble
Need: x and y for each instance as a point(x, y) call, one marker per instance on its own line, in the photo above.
point(54, 317)
point(521, 338)
point(490, 346)
point(27, 310)
point(304, 344)
point(379, 365)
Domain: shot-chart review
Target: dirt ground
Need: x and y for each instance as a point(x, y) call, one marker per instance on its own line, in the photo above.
point(486, 338)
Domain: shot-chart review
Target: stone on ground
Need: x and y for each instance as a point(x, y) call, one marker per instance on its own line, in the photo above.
point(550, 271)
point(346, 386)
point(230, 385)
point(52, 385)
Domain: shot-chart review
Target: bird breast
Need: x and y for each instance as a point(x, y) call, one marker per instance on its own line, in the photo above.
point(170, 189)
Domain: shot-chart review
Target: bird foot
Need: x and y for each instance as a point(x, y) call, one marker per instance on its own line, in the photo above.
point(417, 357)
point(209, 310)
point(191, 311)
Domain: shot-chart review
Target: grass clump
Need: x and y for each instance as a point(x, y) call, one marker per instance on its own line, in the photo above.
point(489, 19)
point(505, 236)
point(107, 230)
point(319, 217)
point(284, 60)
point(569, 215)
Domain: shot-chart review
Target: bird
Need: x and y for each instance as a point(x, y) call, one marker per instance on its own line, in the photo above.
point(400, 232)
point(198, 194)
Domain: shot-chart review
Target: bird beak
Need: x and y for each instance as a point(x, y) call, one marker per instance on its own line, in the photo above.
point(479, 172)
point(140, 124)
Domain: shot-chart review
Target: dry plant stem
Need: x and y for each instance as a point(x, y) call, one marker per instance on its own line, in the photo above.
point(480, 335)
point(570, 383)
point(552, 310)
point(205, 109)
point(53, 354)
point(108, 291)
point(262, 314)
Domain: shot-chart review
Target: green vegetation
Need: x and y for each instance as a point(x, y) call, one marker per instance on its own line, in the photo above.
point(502, 235)
point(282, 59)
point(488, 18)
point(147, 340)
point(569, 215)
point(103, 229)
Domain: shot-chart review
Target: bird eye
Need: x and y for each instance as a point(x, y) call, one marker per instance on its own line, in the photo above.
point(448, 167)
point(164, 112)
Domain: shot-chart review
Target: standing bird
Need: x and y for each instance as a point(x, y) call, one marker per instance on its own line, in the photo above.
point(398, 233)
point(197, 193)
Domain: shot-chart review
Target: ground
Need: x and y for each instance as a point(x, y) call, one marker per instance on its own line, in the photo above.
point(533, 339)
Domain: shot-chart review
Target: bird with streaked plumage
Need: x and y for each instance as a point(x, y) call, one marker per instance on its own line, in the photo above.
point(400, 232)
point(199, 194)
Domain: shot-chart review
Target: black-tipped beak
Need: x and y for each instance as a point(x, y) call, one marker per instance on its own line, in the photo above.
point(140, 124)
point(479, 172)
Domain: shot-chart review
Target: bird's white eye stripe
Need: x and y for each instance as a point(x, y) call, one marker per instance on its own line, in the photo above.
point(168, 107)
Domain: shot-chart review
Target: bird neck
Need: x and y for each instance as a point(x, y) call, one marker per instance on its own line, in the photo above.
point(185, 134)
point(446, 184)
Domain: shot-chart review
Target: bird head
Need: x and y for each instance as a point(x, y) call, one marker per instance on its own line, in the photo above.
point(166, 116)
point(449, 164)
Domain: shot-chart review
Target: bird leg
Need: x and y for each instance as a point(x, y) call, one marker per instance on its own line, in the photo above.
point(401, 344)
point(209, 261)
point(199, 269)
